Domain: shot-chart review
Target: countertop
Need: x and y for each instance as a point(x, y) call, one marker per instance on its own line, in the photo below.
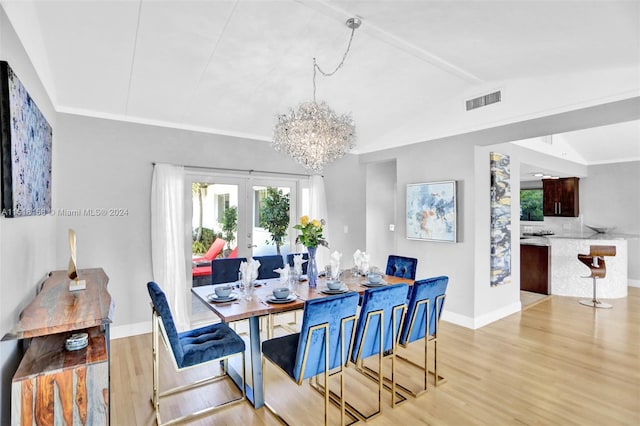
point(536, 240)
point(595, 236)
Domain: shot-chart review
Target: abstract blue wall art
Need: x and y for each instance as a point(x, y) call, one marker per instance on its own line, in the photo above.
point(431, 211)
point(500, 219)
point(26, 138)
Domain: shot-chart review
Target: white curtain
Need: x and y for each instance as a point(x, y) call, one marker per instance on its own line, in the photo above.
point(167, 239)
point(318, 210)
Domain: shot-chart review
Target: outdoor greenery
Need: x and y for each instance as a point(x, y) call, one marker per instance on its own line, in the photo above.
point(274, 215)
point(230, 224)
point(531, 205)
point(207, 237)
point(199, 189)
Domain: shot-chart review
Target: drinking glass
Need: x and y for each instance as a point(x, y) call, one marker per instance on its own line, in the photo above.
point(249, 290)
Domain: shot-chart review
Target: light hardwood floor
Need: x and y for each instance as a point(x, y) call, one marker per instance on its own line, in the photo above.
point(556, 363)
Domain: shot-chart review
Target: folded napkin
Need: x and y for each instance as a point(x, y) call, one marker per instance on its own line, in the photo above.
point(335, 264)
point(297, 264)
point(249, 271)
point(284, 275)
point(357, 258)
point(361, 261)
point(364, 263)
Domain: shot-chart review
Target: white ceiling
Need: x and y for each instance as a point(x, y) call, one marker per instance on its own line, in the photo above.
point(231, 67)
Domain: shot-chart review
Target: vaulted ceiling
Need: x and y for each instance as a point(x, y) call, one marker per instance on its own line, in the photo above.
point(231, 67)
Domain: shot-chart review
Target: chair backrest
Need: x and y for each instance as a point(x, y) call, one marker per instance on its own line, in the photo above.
point(233, 254)
point(161, 306)
point(305, 256)
point(215, 249)
point(325, 310)
point(415, 320)
point(226, 270)
point(404, 267)
point(268, 264)
point(387, 299)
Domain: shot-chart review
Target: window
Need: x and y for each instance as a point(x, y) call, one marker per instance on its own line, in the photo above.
point(258, 195)
point(223, 204)
point(531, 205)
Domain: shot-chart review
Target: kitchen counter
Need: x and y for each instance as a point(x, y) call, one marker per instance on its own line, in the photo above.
point(534, 241)
point(568, 274)
point(595, 236)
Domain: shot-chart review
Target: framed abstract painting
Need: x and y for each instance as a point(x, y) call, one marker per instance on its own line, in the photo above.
point(432, 211)
point(25, 150)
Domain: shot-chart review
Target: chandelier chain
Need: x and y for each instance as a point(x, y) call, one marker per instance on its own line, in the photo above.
point(313, 134)
point(329, 74)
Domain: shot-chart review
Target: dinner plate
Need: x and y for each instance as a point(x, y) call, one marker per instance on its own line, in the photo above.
point(370, 284)
point(290, 298)
point(214, 298)
point(327, 290)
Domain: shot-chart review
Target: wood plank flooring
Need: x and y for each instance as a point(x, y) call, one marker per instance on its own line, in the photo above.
point(555, 363)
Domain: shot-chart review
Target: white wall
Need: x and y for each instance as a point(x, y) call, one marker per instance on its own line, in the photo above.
point(109, 165)
point(26, 243)
point(609, 196)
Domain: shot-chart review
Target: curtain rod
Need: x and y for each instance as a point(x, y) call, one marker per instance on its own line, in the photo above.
point(250, 171)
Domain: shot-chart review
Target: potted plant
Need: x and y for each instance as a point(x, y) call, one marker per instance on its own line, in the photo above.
point(274, 215)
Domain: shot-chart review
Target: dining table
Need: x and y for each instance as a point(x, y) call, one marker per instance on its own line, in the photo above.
point(262, 304)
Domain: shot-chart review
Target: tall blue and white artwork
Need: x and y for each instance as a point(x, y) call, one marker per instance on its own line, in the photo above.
point(26, 139)
point(500, 219)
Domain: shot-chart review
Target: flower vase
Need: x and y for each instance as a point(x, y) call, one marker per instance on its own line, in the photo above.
point(312, 267)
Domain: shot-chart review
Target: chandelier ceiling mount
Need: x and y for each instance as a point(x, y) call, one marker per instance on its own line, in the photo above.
point(313, 134)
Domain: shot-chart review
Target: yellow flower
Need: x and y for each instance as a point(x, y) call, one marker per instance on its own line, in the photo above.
point(304, 220)
point(316, 223)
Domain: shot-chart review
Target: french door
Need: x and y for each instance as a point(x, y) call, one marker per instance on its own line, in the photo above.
point(230, 207)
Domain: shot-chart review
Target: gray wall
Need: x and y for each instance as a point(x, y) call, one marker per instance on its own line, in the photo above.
point(381, 211)
point(26, 243)
point(109, 165)
point(470, 300)
point(609, 196)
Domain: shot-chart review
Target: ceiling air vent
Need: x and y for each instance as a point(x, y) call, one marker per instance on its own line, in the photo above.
point(485, 100)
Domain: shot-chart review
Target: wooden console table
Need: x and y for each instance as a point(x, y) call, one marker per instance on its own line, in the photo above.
point(52, 385)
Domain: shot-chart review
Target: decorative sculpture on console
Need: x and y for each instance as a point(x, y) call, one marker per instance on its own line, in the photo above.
point(72, 271)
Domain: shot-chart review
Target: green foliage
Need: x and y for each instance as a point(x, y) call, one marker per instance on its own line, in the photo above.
point(207, 237)
point(274, 215)
point(230, 224)
point(198, 248)
point(531, 204)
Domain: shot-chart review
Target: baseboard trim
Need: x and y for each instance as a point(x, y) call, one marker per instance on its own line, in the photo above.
point(129, 330)
point(634, 283)
point(481, 321)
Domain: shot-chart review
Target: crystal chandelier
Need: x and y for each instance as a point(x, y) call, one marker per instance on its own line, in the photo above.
point(313, 134)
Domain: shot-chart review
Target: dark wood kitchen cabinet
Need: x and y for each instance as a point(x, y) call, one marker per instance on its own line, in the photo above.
point(561, 197)
point(535, 268)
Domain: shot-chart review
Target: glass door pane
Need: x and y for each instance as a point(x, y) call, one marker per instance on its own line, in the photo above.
point(215, 216)
point(272, 216)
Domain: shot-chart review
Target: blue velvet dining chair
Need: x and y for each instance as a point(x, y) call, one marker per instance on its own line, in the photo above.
point(322, 346)
point(305, 256)
point(226, 270)
point(426, 300)
point(267, 266)
point(403, 267)
point(215, 342)
point(377, 333)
